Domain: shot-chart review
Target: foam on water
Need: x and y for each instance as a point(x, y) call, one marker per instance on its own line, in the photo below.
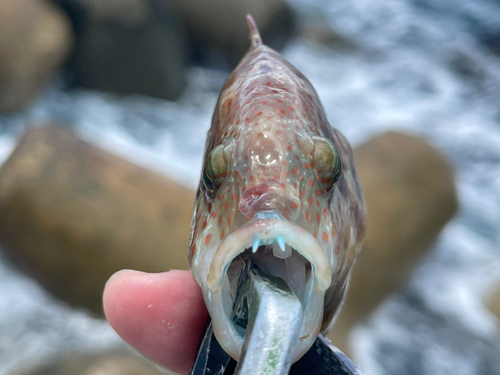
point(415, 67)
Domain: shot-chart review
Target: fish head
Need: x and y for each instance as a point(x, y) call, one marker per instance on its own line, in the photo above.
point(266, 196)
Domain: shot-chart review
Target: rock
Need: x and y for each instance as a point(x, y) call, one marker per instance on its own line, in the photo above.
point(410, 194)
point(35, 40)
point(493, 300)
point(122, 362)
point(128, 47)
point(220, 28)
point(72, 214)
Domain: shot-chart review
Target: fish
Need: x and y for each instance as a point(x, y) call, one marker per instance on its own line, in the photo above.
point(278, 188)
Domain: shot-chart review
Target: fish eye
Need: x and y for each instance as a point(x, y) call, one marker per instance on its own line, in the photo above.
point(215, 170)
point(326, 161)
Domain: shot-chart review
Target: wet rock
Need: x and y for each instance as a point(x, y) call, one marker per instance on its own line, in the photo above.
point(35, 40)
point(112, 363)
point(220, 29)
point(128, 47)
point(493, 301)
point(72, 214)
point(410, 194)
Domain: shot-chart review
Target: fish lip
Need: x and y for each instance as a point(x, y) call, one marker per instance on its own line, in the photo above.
point(264, 226)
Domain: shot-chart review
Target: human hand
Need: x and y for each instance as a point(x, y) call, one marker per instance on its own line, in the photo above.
point(160, 314)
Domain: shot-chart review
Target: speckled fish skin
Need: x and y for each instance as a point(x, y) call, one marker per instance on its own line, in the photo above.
point(268, 119)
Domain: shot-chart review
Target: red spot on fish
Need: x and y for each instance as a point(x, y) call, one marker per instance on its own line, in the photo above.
point(290, 108)
point(252, 178)
point(255, 123)
point(294, 205)
point(204, 225)
point(295, 185)
point(282, 185)
point(317, 203)
point(226, 206)
point(207, 239)
point(229, 220)
point(264, 102)
point(301, 193)
point(310, 183)
point(315, 234)
point(318, 192)
point(220, 220)
point(282, 111)
point(259, 134)
point(259, 113)
point(294, 171)
point(337, 249)
point(318, 219)
point(308, 216)
point(324, 211)
point(222, 234)
point(246, 170)
point(306, 166)
point(289, 148)
point(332, 233)
point(310, 201)
point(234, 196)
point(237, 121)
point(214, 214)
point(325, 237)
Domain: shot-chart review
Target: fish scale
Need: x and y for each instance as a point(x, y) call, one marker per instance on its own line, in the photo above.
point(267, 127)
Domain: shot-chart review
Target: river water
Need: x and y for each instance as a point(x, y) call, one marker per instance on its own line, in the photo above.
point(419, 66)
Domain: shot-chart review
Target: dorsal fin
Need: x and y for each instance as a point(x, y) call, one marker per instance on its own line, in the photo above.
point(255, 38)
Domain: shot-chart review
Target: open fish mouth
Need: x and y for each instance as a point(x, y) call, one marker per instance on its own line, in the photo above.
point(279, 248)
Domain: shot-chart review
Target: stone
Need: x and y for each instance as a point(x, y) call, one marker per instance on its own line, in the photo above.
point(72, 214)
point(35, 40)
point(410, 195)
point(493, 301)
point(128, 47)
point(119, 362)
point(220, 29)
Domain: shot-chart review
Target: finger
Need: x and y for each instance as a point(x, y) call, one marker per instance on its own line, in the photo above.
point(162, 315)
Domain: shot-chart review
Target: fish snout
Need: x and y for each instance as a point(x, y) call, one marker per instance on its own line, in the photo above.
point(271, 195)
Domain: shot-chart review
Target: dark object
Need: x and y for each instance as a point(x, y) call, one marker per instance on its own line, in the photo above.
point(322, 359)
point(133, 47)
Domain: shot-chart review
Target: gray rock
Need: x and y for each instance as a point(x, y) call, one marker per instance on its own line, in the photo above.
point(35, 40)
point(128, 47)
point(220, 28)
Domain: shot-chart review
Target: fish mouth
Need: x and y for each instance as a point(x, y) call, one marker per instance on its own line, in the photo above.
point(279, 248)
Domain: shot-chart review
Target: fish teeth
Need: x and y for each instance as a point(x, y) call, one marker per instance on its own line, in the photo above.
point(281, 242)
point(256, 244)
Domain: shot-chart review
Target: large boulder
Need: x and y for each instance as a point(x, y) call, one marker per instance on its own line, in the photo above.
point(72, 214)
point(220, 29)
point(128, 47)
point(35, 40)
point(410, 194)
point(119, 362)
